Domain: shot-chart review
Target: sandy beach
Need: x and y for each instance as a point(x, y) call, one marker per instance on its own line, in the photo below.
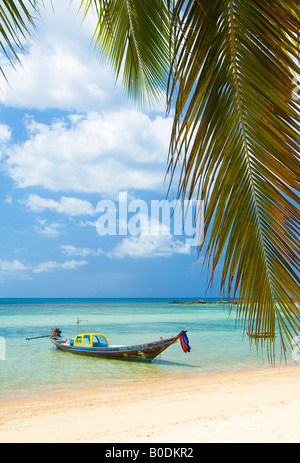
point(250, 406)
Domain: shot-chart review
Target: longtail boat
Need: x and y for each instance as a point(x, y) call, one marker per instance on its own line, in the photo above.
point(97, 345)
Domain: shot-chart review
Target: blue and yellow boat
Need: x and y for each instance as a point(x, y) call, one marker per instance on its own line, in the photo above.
point(97, 345)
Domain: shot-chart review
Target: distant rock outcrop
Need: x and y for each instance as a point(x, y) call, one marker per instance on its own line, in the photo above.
point(201, 301)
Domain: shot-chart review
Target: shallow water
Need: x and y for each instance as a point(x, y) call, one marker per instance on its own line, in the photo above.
point(36, 366)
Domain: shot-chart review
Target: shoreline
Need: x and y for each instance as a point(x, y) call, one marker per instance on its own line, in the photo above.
point(256, 405)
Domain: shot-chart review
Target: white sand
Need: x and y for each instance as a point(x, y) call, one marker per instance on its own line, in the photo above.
point(252, 406)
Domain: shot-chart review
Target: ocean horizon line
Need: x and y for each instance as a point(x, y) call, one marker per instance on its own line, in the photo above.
point(7, 300)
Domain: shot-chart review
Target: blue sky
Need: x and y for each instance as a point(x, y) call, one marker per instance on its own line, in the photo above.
point(69, 138)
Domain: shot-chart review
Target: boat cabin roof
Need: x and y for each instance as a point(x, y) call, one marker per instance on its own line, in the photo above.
point(91, 339)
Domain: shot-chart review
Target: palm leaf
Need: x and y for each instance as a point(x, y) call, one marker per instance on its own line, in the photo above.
point(134, 36)
point(236, 137)
point(16, 19)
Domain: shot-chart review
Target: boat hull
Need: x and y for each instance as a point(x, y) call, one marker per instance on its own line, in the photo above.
point(144, 352)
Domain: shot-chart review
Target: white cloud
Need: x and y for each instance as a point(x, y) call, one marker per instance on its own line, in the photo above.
point(5, 136)
point(136, 247)
point(145, 246)
point(15, 266)
point(8, 199)
point(50, 230)
point(150, 246)
point(66, 205)
point(60, 69)
point(11, 267)
point(82, 252)
point(52, 77)
point(104, 145)
point(87, 223)
point(53, 265)
point(150, 238)
point(93, 153)
point(154, 240)
point(5, 133)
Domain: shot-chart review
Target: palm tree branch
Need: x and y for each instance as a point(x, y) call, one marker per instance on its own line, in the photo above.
point(15, 15)
point(235, 135)
point(136, 40)
point(16, 19)
point(234, 62)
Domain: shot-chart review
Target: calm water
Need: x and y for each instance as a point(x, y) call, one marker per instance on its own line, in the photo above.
point(34, 366)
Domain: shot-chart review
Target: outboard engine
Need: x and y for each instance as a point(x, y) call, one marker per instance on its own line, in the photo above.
point(55, 333)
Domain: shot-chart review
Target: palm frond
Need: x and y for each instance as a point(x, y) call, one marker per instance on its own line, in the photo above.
point(236, 137)
point(134, 36)
point(16, 19)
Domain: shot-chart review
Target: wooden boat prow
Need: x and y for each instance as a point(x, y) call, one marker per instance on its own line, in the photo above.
point(97, 345)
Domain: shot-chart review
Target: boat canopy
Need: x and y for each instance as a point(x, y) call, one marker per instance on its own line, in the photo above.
point(91, 340)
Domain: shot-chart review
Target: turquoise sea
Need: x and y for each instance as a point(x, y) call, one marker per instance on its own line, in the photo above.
point(36, 366)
